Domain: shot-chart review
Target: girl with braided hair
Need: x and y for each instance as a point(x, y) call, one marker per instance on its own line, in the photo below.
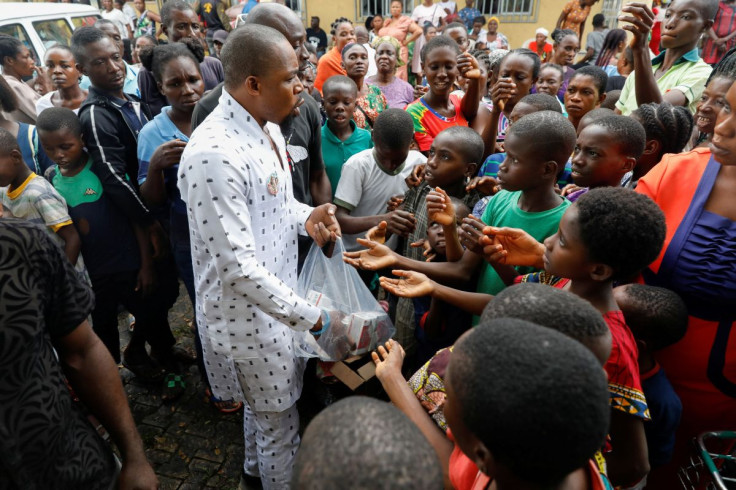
point(712, 101)
point(343, 33)
point(564, 50)
point(613, 45)
point(668, 130)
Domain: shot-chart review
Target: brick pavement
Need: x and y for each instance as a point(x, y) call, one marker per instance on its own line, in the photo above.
point(190, 444)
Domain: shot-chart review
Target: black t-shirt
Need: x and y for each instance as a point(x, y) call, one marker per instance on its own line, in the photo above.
point(317, 38)
point(45, 442)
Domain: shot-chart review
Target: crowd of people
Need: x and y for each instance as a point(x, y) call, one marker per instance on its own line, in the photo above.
point(550, 229)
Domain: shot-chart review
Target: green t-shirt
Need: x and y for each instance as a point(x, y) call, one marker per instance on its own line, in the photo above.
point(335, 152)
point(503, 210)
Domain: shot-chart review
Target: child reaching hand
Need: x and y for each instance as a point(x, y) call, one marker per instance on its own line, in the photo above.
point(438, 324)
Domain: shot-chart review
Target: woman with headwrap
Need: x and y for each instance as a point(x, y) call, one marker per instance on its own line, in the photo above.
point(494, 39)
point(398, 92)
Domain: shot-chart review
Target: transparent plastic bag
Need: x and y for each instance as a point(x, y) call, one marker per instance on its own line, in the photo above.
point(356, 322)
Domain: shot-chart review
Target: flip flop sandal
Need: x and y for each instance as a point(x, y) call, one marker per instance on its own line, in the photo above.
point(173, 387)
point(224, 406)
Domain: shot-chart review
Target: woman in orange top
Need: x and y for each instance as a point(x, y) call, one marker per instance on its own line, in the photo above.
point(574, 14)
point(404, 30)
point(330, 63)
point(540, 45)
point(695, 190)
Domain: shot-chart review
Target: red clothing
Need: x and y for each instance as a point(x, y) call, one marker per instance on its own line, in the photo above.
point(701, 366)
point(622, 367)
point(724, 24)
point(546, 52)
point(329, 64)
point(428, 123)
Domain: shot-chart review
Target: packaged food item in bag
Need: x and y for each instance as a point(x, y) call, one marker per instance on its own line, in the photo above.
point(353, 321)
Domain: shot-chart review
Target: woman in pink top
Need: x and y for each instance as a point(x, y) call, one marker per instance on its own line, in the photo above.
point(404, 30)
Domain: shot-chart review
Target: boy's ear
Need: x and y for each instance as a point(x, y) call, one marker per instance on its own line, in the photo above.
point(652, 147)
point(629, 164)
point(80, 69)
point(484, 459)
point(601, 98)
point(601, 272)
point(550, 168)
point(471, 169)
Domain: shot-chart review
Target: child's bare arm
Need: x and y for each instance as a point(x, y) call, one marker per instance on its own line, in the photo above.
point(388, 362)
point(628, 463)
point(477, 79)
point(410, 284)
point(398, 222)
point(72, 242)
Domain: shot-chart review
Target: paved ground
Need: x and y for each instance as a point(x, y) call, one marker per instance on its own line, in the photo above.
point(190, 444)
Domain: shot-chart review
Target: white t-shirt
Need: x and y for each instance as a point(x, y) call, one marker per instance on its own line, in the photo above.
point(365, 188)
point(372, 68)
point(45, 103)
point(451, 6)
point(119, 18)
point(433, 14)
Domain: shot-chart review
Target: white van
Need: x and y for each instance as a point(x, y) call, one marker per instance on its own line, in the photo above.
point(41, 25)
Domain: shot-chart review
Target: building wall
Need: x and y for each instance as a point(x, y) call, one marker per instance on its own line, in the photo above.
point(517, 32)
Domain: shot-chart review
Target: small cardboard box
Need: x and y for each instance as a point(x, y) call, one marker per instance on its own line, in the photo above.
point(354, 371)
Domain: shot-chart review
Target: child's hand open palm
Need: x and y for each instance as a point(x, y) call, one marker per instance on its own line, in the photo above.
point(374, 257)
point(388, 359)
point(511, 246)
point(409, 284)
point(440, 208)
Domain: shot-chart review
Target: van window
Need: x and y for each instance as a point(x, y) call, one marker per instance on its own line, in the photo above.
point(55, 31)
point(18, 32)
point(87, 20)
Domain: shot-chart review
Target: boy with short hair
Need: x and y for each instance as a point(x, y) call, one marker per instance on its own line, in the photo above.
point(606, 150)
point(658, 318)
point(372, 176)
point(678, 74)
point(341, 138)
point(28, 196)
point(109, 241)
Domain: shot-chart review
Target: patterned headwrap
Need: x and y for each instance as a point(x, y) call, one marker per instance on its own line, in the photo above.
point(378, 40)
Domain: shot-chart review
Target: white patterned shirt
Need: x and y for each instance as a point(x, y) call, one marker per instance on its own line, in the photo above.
point(244, 222)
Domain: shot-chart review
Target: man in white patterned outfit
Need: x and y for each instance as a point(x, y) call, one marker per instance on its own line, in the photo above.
point(235, 179)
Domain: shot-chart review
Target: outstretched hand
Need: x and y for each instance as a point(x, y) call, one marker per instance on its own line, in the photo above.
point(511, 246)
point(485, 185)
point(377, 233)
point(388, 359)
point(468, 66)
point(416, 177)
point(322, 225)
point(470, 233)
point(374, 257)
point(409, 284)
point(440, 208)
point(427, 250)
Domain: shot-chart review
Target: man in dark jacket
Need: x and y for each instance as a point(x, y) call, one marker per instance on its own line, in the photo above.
point(111, 121)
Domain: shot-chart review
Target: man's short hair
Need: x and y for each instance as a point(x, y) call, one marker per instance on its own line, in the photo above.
point(82, 37)
point(357, 443)
point(248, 51)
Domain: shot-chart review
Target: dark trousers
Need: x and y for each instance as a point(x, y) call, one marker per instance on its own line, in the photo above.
point(151, 313)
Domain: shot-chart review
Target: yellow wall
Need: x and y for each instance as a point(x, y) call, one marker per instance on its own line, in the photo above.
point(549, 11)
